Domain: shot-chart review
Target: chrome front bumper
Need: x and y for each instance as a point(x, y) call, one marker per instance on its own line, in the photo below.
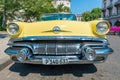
point(71, 52)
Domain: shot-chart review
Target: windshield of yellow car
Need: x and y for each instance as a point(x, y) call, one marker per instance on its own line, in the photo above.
point(47, 17)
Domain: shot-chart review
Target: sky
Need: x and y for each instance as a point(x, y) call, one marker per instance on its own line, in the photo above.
point(80, 6)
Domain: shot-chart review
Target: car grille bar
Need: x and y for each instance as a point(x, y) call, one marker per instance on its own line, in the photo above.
point(56, 48)
point(62, 46)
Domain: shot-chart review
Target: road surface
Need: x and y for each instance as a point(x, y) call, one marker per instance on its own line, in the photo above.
point(110, 70)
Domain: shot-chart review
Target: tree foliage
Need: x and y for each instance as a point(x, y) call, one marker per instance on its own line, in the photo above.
point(62, 8)
point(28, 10)
point(34, 8)
point(94, 14)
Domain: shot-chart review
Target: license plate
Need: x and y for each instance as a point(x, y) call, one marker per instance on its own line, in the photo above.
point(50, 61)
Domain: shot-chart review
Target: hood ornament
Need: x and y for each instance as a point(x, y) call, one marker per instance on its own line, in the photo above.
point(56, 29)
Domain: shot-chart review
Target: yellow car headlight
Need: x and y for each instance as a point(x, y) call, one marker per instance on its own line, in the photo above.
point(13, 29)
point(102, 28)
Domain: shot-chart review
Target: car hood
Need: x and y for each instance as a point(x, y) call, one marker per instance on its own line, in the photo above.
point(56, 28)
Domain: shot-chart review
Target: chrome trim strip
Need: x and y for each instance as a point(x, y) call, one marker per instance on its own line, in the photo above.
point(32, 38)
point(104, 51)
point(72, 60)
point(20, 45)
point(10, 51)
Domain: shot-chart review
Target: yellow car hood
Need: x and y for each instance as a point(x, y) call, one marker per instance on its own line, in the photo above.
point(46, 28)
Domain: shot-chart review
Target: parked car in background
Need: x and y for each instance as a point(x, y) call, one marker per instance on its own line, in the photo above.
point(59, 39)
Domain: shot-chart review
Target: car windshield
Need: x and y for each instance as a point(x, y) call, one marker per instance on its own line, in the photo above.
point(47, 17)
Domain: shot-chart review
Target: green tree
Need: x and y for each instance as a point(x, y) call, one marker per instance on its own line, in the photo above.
point(86, 16)
point(32, 9)
point(2, 11)
point(66, 9)
point(94, 14)
point(62, 8)
point(7, 8)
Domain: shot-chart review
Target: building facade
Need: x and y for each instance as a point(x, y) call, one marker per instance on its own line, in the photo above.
point(79, 17)
point(111, 11)
point(64, 2)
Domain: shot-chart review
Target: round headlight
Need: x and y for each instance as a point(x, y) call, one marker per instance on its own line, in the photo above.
point(102, 28)
point(22, 55)
point(13, 29)
point(90, 53)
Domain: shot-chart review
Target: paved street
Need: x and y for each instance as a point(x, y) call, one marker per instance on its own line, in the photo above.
point(4, 59)
point(110, 70)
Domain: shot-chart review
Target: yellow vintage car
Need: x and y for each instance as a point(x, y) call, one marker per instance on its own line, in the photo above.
point(59, 39)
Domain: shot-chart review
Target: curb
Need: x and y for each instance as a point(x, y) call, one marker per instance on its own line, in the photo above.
point(4, 62)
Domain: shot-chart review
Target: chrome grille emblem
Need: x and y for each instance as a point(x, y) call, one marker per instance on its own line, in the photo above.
point(56, 29)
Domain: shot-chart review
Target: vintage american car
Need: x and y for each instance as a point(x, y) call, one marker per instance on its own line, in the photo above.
point(59, 39)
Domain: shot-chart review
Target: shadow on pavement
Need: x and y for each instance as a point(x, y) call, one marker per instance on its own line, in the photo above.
point(3, 35)
point(76, 70)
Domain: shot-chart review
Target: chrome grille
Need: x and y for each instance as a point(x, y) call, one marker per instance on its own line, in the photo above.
point(56, 48)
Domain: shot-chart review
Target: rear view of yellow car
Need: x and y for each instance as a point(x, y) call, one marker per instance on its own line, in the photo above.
point(58, 39)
